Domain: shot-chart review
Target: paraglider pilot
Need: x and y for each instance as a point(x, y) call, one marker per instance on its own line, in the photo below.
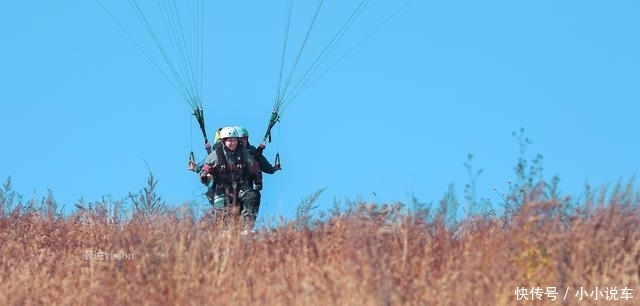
point(264, 165)
point(229, 171)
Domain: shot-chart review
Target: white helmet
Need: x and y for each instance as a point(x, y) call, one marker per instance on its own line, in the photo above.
point(228, 132)
point(242, 131)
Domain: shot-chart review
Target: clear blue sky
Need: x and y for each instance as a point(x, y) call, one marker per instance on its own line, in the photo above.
point(83, 111)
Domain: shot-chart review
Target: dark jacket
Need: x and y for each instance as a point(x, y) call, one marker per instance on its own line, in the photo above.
point(264, 164)
point(238, 166)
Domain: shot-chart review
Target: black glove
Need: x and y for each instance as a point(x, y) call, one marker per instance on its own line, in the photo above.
point(205, 177)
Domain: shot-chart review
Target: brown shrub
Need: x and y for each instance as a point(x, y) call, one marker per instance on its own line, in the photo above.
point(361, 258)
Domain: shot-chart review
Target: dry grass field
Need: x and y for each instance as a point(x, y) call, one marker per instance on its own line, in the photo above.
point(368, 255)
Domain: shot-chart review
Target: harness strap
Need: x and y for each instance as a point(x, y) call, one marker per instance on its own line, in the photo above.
point(231, 195)
point(222, 160)
point(277, 161)
point(231, 189)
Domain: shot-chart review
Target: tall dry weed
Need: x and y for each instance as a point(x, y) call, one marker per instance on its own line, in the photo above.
point(368, 255)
